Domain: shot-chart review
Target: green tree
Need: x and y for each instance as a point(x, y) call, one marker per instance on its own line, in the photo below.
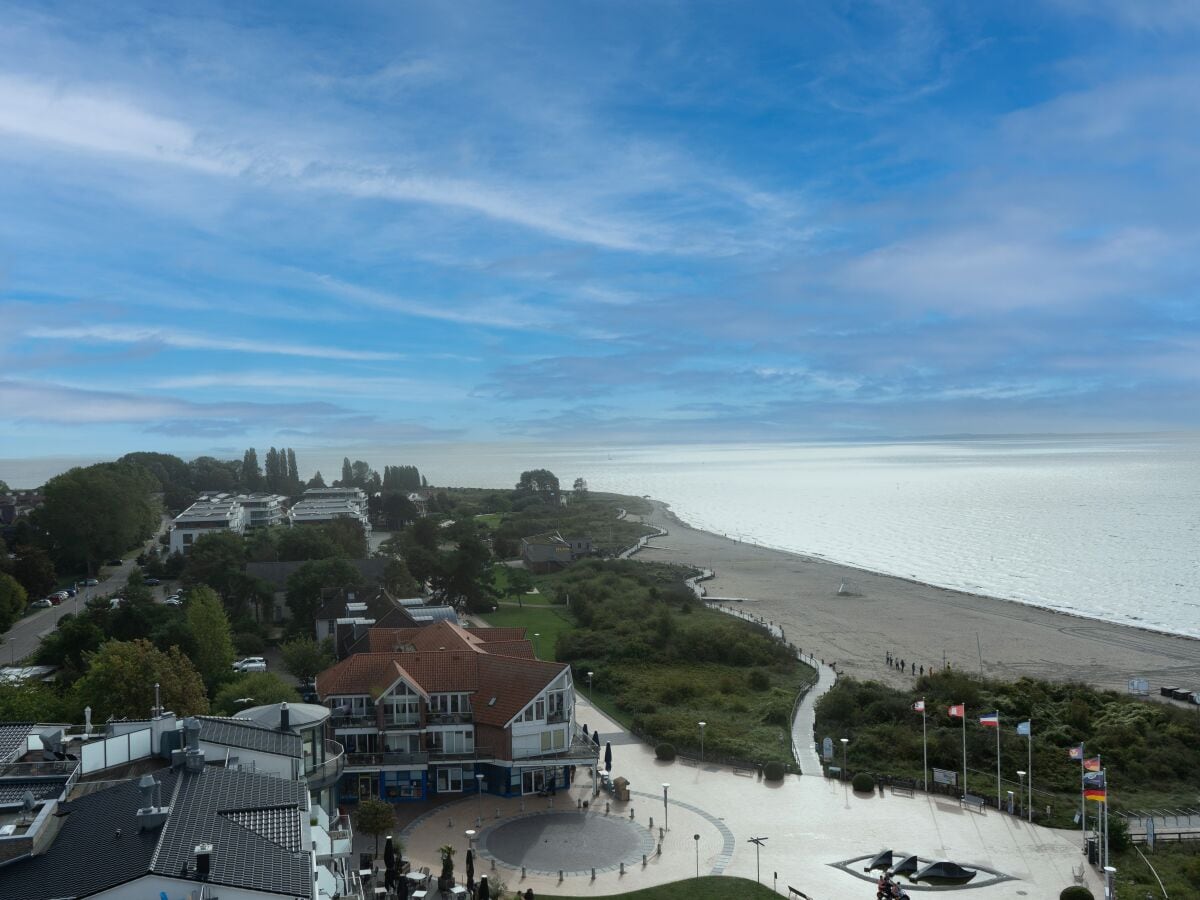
point(135, 591)
point(347, 473)
point(374, 816)
point(272, 470)
point(306, 542)
point(317, 481)
point(31, 701)
point(210, 628)
point(4, 488)
point(12, 601)
point(121, 677)
point(398, 510)
point(349, 536)
point(398, 580)
point(251, 474)
point(304, 658)
point(173, 474)
point(539, 479)
point(253, 689)
point(69, 645)
point(34, 570)
point(306, 588)
point(465, 577)
point(216, 560)
point(98, 512)
point(211, 474)
point(293, 474)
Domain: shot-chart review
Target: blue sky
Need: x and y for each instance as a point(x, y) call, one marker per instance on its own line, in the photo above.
point(376, 223)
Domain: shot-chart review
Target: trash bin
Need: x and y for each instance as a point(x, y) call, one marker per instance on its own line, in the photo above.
point(621, 788)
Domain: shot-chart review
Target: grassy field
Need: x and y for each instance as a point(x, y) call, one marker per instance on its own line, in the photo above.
point(547, 621)
point(1178, 865)
point(707, 888)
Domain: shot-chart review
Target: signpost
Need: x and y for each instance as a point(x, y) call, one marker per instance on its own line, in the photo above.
point(1139, 687)
point(827, 749)
point(945, 776)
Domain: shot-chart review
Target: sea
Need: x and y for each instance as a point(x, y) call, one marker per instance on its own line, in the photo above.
point(1103, 527)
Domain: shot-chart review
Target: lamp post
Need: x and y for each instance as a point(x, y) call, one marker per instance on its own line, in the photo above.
point(696, 838)
point(1021, 775)
point(1110, 877)
point(536, 651)
point(702, 724)
point(666, 809)
point(479, 793)
point(845, 741)
point(757, 842)
point(589, 687)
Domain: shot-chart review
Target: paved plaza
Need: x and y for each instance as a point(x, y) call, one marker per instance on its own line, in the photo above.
point(811, 825)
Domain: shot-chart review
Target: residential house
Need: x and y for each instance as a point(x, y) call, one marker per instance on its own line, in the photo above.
point(276, 574)
point(443, 710)
point(210, 516)
point(551, 551)
point(323, 505)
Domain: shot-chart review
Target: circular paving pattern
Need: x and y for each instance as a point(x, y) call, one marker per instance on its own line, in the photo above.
point(547, 842)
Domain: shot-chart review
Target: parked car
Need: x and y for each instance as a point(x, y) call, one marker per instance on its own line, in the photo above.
point(173, 601)
point(60, 596)
point(152, 582)
point(91, 582)
point(115, 602)
point(71, 592)
point(44, 603)
point(250, 664)
point(115, 562)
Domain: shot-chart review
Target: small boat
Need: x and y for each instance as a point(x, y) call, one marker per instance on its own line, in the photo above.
point(943, 872)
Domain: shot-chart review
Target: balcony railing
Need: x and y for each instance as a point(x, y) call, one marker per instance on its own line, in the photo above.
point(440, 754)
point(331, 769)
point(388, 758)
point(365, 720)
point(555, 716)
point(340, 828)
point(458, 718)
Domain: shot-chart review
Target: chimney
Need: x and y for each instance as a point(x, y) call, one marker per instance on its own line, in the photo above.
point(285, 717)
point(152, 813)
point(203, 856)
point(193, 760)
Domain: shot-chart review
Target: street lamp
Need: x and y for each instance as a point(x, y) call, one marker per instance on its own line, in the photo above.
point(702, 724)
point(696, 838)
point(589, 687)
point(1021, 775)
point(757, 842)
point(845, 741)
point(666, 810)
point(479, 792)
point(536, 652)
point(1110, 877)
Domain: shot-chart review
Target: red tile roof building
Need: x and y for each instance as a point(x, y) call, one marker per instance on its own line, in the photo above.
point(423, 712)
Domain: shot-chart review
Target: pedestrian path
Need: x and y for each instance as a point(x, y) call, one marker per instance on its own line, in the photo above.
point(804, 740)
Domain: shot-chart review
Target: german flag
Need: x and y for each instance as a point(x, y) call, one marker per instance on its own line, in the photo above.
point(1094, 787)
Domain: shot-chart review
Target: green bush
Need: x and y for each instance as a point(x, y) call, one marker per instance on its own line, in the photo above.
point(863, 783)
point(773, 771)
point(665, 752)
point(759, 680)
point(1076, 892)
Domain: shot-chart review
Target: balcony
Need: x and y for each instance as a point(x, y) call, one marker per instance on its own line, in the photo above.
point(441, 755)
point(458, 718)
point(386, 759)
point(330, 771)
point(556, 716)
point(366, 720)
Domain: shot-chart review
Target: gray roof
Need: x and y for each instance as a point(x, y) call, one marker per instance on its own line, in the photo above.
point(249, 735)
point(276, 573)
point(12, 790)
point(300, 715)
point(12, 738)
point(254, 823)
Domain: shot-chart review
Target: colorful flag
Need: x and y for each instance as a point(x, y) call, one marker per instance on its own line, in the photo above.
point(991, 720)
point(919, 706)
point(1076, 752)
point(1093, 764)
point(1094, 787)
point(959, 711)
point(1023, 729)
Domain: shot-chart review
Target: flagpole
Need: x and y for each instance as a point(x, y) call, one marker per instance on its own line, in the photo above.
point(1105, 774)
point(1082, 801)
point(1029, 766)
point(925, 747)
point(998, 806)
point(964, 729)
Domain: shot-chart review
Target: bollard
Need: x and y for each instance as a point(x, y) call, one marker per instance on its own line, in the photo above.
point(552, 803)
point(593, 873)
point(660, 834)
point(643, 860)
point(652, 823)
point(493, 865)
point(560, 878)
point(497, 812)
point(606, 807)
point(631, 815)
point(622, 868)
point(522, 873)
point(449, 823)
point(478, 822)
point(522, 806)
point(579, 803)
point(659, 853)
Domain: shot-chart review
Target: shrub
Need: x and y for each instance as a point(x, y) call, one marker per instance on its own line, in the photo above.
point(863, 783)
point(759, 681)
point(247, 643)
point(773, 771)
point(1076, 892)
point(665, 752)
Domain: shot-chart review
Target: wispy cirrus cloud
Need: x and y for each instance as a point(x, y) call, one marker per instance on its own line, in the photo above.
point(188, 340)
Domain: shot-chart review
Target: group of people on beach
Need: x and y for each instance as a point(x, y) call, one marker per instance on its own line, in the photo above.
point(906, 667)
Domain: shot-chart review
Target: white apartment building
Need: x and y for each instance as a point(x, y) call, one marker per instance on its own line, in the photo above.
point(207, 516)
point(263, 510)
point(321, 505)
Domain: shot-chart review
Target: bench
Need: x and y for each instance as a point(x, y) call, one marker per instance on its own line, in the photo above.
point(970, 800)
point(902, 787)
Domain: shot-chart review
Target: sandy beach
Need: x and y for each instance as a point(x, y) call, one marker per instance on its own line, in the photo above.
point(919, 622)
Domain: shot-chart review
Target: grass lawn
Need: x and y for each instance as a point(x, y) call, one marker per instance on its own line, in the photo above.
point(1178, 865)
point(491, 520)
point(547, 621)
point(707, 888)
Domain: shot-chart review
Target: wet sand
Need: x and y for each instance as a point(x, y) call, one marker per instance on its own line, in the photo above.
point(919, 622)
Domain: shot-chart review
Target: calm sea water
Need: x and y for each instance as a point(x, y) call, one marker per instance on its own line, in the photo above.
point(1107, 528)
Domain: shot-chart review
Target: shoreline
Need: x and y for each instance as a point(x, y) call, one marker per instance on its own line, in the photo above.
point(918, 621)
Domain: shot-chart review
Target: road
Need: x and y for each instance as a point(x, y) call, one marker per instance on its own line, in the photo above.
point(25, 635)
